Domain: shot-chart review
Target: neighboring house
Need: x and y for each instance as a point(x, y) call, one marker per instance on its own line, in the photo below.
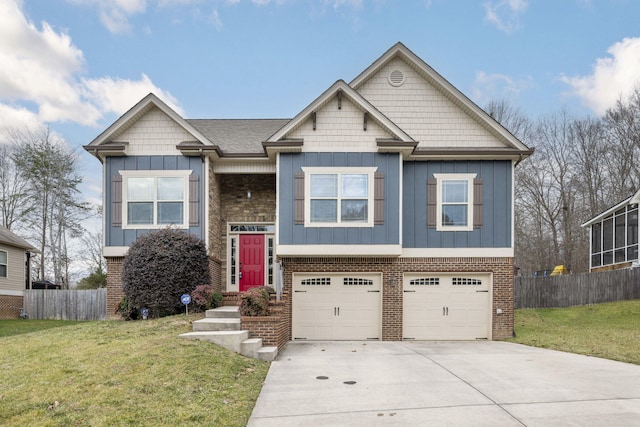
point(613, 235)
point(15, 272)
point(386, 205)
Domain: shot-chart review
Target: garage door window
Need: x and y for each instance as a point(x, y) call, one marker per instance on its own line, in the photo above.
point(357, 281)
point(425, 281)
point(316, 281)
point(466, 281)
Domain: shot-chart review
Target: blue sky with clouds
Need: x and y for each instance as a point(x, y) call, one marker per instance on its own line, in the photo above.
point(76, 65)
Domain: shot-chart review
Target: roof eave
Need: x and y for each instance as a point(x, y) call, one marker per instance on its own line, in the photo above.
point(471, 154)
point(635, 199)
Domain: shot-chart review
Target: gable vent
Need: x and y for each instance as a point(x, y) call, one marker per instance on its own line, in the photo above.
point(396, 78)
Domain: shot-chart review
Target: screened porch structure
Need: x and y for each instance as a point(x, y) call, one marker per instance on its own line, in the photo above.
point(614, 236)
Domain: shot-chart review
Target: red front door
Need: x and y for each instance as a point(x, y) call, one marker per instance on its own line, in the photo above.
point(251, 261)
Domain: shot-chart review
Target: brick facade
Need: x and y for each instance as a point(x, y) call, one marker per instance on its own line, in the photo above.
point(236, 207)
point(275, 329)
point(114, 285)
point(393, 270)
point(10, 306)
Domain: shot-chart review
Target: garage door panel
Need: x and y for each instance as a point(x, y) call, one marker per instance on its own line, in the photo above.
point(446, 306)
point(336, 306)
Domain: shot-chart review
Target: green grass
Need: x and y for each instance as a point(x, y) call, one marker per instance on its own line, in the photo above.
point(121, 374)
point(610, 330)
point(18, 326)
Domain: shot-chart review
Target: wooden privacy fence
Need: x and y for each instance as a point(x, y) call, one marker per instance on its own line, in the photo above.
point(66, 305)
point(577, 289)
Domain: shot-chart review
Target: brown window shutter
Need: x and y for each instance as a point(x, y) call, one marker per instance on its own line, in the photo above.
point(378, 198)
point(194, 199)
point(116, 201)
point(298, 202)
point(477, 202)
point(432, 202)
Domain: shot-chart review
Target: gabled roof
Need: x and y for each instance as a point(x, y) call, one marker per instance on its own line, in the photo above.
point(447, 89)
point(346, 90)
point(11, 239)
point(633, 200)
point(106, 140)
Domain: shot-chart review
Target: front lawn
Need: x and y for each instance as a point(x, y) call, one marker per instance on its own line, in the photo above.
point(121, 373)
point(610, 330)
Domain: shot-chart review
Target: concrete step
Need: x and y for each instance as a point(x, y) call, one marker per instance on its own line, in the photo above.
point(250, 347)
point(227, 311)
point(231, 340)
point(268, 354)
point(216, 324)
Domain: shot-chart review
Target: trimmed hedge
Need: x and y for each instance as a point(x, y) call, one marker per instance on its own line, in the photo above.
point(160, 267)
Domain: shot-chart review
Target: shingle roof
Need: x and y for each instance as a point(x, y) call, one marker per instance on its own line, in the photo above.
point(11, 239)
point(238, 135)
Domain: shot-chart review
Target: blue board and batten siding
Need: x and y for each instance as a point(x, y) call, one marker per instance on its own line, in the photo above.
point(495, 231)
point(380, 234)
point(116, 236)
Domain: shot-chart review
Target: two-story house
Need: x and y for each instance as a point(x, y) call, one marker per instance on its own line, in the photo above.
point(387, 203)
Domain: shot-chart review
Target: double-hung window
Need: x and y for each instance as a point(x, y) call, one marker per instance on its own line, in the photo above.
point(153, 199)
point(339, 197)
point(3, 264)
point(454, 202)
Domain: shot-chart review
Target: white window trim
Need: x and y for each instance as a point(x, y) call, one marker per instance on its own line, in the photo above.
point(6, 265)
point(440, 178)
point(126, 174)
point(308, 171)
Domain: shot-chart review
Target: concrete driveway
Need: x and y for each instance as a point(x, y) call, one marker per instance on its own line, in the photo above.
point(483, 383)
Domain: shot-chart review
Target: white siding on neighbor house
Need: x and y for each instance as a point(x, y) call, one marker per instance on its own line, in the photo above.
point(153, 134)
point(15, 269)
point(339, 130)
point(423, 112)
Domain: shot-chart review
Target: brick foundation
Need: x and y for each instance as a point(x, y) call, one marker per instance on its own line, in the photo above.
point(393, 270)
point(275, 330)
point(10, 306)
point(114, 285)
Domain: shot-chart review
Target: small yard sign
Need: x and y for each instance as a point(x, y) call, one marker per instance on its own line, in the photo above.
point(186, 299)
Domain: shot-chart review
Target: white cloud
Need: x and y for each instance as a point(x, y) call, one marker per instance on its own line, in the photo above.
point(41, 77)
point(357, 4)
point(215, 20)
point(612, 77)
point(111, 95)
point(505, 14)
point(114, 14)
point(492, 87)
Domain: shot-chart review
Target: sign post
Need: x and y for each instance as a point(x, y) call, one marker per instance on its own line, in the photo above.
point(186, 299)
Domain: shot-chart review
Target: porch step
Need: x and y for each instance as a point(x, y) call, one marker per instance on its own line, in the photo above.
point(227, 311)
point(221, 326)
point(268, 354)
point(250, 347)
point(231, 340)
point(216, 324)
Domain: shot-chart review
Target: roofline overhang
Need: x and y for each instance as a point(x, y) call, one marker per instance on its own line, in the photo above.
point(481, 153)
point(633, 200)
point(445, 87)
point(340, 86)
point(107, 149)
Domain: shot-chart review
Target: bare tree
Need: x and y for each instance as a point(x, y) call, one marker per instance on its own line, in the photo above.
point(49, 170)
point(15, 204)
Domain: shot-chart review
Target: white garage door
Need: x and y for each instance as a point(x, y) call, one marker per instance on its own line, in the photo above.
point(446, 306)
point(336, 306)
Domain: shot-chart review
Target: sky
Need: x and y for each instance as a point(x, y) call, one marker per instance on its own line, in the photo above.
point(77, 65)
